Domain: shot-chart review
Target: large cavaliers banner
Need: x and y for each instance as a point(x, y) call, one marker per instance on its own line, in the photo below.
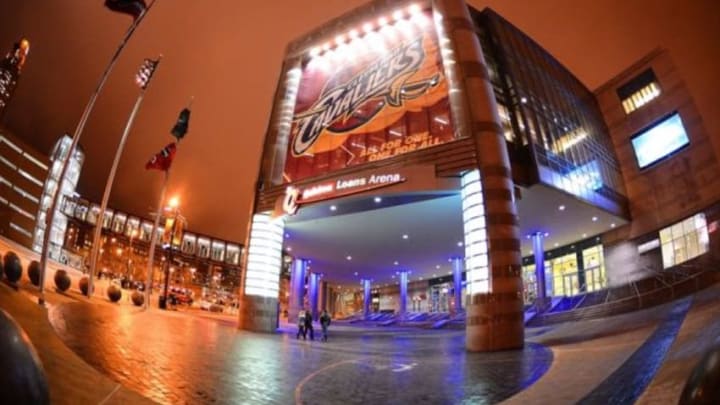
point(381, 95)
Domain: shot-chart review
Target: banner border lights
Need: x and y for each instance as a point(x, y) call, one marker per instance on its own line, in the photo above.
point(262, 276)
point(474, 227)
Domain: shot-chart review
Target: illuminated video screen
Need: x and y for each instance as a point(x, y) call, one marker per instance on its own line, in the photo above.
point(660, 141)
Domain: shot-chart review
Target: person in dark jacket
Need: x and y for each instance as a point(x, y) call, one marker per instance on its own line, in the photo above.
point(301, 324)
point(309, 325)
point(324, 323)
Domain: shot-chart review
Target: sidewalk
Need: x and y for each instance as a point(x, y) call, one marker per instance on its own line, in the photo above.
point(71, 380)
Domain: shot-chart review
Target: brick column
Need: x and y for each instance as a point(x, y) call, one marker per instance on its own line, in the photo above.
point(495, 317)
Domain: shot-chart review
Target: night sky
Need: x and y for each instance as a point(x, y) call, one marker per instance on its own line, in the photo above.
point(228, 54)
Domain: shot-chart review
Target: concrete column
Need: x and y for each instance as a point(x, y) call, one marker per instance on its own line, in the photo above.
point(403, 292)
point(366, 298)
point(297, 289)
point(539, 253)
point(457, 263)
point(495, 309)
point(313, 286)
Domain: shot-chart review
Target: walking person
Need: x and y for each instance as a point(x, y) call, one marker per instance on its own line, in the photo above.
point(309, 325)
point(324, 323)
point(301, 325)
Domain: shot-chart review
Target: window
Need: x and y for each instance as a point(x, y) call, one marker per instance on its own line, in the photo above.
point(594, 268)
point(639, 91)
point(218, 251)
point(684, 240)
point(188, 244)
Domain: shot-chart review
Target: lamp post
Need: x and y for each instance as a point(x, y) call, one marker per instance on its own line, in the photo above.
point(172, 233)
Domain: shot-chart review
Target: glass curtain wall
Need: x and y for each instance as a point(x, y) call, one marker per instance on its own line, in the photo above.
point(548, 109)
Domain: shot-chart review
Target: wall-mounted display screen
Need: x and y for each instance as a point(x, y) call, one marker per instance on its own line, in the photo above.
point(379, 93)
point(660, 141)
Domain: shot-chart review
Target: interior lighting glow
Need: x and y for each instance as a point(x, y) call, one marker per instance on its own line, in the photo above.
point(405, 236)
point(349, 257)
point(264, 256)
point(339, 40)
point(353, 34)
point(315, 52)
point(437, 266)
point(459, 244)
point(382, 21)
point(476, 258)
point(367, 27)
point(396, 263)
point(378, 199)
point(561, 208)
point(612, 225)
point(414, 9)
point(333, 208)
point(584, 235)
point(594, 219)
point(398, 15)
point(326, 47)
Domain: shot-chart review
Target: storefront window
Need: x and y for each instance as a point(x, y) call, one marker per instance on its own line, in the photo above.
point(565, 275)
point(146, 231)
point(594, 268)
point(107, 220)
point(684, 240)
point(93, 214)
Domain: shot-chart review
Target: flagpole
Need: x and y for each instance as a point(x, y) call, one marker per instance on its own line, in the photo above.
point(153, 240)
point(108, 186)
point(50, 217)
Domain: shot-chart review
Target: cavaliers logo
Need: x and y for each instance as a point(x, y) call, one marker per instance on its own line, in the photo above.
point(343, 107)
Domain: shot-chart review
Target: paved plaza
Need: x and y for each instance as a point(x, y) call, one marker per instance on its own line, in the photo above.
point(181, 357)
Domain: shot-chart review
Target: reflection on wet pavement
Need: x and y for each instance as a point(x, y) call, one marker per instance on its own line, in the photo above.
point(182, 359)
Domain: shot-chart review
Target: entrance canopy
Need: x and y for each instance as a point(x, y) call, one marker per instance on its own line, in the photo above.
point(375, 237)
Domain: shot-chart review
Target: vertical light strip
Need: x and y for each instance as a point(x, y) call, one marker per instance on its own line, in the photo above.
point(262, 277)
point(476, 246)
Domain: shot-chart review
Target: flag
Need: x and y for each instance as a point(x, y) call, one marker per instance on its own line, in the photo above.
point(181, 126)
point(143, 76)
point(163, 159)
point(134, 8)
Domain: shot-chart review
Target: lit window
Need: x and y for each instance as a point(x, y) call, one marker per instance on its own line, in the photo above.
point(639, 91)
point(684, 240)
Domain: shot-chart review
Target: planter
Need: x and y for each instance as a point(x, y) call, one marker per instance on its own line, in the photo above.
point(33, 271)
point(12, 267)
point(138, 298)
point(84, 284)
point(62, 280)
point(114, 293)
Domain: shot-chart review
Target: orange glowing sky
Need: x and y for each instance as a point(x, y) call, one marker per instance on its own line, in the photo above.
point(227, 54)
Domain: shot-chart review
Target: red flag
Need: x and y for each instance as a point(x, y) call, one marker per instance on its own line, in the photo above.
point(133, 7)
point(163, 159)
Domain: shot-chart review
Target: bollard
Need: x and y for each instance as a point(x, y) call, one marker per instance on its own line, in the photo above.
point(703, 385)
point(23, 380)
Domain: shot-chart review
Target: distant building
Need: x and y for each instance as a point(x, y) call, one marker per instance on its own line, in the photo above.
point(10, 69)
point(22, 175)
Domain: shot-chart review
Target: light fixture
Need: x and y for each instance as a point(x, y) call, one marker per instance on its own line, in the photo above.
point(561, 208)
point(421, 278)
point(584, 235)
point(333, 208)
point(437, 266)
point(523, 100)
point(546, 234)
point(382, 21)
point(556, 244)
point(349, 257)
point(612, 225)
point(434, 275)
point(367, 27)
point(405, 236)
point(356, 273)
point(396, 262)
point(378, 199)
point(353, 33)
point(289, 249)
point(459, 244)
point(339, 39)
point(326, 47)
point(594, 219)
point(397, 15)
